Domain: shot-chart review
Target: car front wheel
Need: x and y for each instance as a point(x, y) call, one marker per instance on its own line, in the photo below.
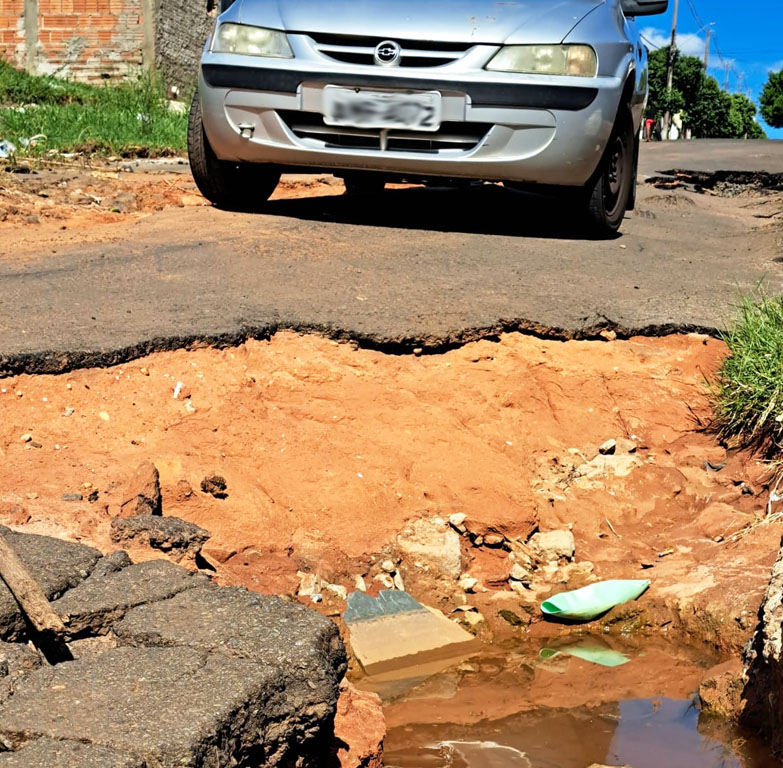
point(233, 186)
point(608, 195)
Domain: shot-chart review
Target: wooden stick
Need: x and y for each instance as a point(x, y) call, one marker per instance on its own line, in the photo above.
point(28, 592)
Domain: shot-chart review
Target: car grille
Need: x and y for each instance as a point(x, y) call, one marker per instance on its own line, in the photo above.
point(460, 136)
point(352, 49)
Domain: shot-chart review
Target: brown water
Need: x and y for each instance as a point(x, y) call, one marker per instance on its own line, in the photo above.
point(563, 708)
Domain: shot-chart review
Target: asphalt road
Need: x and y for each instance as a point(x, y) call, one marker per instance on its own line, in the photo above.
point(408, 268)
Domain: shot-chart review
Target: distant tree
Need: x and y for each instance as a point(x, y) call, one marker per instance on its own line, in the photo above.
point(707, 110)
point(686, 81)
point(711, 117)
point(743, 115)
point(772, 100)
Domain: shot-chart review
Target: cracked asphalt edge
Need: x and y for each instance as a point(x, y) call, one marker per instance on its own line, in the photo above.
point(58, 361)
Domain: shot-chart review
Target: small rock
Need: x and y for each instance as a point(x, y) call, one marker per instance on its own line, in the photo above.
point(388, 566)
point(69, 412)
point(418, 351)
point(176, 537)
point(478, 541)
point(309, 584)
point(608, 448)
point(144, 372)
point(14, 514)
point(104, 416)
point(457, 521)
point(142, 495)
point(468, 583)
point(32, 496)
point(493, 540)
point(35, 445)
point(510, 617)
point(398, 582)
point(385, 580)
point(215, 485)
point(337, 590)
point(519, 573)
point(184, 491)
point(553, 545)
point(73, 497)
point(626, 446)
point(26, 438)
point(360, 584)
point(472, 619)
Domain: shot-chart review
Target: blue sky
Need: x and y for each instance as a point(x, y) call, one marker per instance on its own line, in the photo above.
point(748, 33)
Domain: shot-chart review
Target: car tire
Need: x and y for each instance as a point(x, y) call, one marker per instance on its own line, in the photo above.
point(634, 175)
point(232, 186)
point(608, 195)
point(363, 184)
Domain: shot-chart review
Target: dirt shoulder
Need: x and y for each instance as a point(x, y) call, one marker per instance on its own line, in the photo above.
point(329, 452)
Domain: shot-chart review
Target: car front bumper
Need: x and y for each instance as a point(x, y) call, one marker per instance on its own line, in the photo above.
point(496, 127)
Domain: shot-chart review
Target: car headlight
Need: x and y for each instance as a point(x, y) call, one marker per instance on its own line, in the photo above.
point(252, 41)
point(576, 60)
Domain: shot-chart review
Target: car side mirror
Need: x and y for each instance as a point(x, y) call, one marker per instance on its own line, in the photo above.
point(644, 7)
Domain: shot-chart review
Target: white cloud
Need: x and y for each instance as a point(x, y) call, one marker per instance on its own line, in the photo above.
point(777, 67)
point(689, 44)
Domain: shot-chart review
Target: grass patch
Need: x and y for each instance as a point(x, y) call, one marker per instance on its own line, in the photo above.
point(748, 393)
point(127, 118)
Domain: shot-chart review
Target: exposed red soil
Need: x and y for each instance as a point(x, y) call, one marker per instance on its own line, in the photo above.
point(328, 452)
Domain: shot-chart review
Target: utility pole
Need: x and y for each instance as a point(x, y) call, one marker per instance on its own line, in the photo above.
point(740, 80)
point(707, 48)
point(667, 118)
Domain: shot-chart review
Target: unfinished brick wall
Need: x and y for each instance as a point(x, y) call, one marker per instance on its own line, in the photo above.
point(95, 39)
point(12, 31)
point(90, 39)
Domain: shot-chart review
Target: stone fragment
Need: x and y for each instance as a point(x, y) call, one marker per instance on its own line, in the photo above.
point(519, 573)
point(359, 729)
point(720, 692)
point(553, 545)
point(142, 494)
point(388, 566)
point(109, 564)
point(431, 544)
point(180, 707)
point(494, 540)
point(458, 521)
point(624, 445)
point(510, 617)
point(215, 485)
point(58, 566)
point(473, 619)
point(73, 497)
point(47, 753)
point(608, 448)
point(176, 537)
point(309, 584)
point(468, 583)
point(13, 514)
point(94, 606)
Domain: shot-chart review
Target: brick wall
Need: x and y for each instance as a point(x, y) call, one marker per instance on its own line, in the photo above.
point(95, 39)
point(90, 39)
point(12, 31)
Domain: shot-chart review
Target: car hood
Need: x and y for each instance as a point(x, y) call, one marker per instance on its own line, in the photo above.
point(475, 21)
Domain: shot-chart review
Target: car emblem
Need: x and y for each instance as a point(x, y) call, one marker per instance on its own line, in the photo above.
point(387, 54)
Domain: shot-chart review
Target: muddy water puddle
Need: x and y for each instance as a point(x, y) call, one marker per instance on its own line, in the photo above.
point(564, 704)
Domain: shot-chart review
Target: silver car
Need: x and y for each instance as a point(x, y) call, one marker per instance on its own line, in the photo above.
point(541, 94)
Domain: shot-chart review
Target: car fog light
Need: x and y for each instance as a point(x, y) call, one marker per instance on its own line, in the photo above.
point(252, 41)
point(575, 60)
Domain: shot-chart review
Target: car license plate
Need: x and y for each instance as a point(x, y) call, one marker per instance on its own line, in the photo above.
point(401, 110)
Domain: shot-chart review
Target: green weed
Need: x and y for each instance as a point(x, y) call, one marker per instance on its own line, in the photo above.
point(748, 392)
point(127, 118)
